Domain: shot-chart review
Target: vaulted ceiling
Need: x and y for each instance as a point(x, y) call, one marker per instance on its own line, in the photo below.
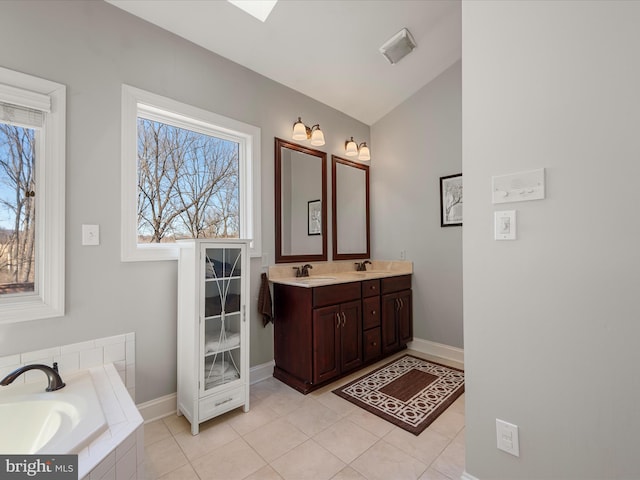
point(326, 49)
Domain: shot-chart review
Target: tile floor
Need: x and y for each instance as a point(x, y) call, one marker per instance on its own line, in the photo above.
point(290, 436)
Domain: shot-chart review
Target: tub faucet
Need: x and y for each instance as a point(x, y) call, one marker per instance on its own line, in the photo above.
point(362, 266)
point(55, 381)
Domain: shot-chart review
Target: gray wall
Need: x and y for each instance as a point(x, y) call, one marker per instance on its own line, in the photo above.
point(414, 145)
point(93, 47)
point(551, 320)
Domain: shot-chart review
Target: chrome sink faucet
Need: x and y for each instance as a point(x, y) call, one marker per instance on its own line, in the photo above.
point(55, 381)
point(362, 266)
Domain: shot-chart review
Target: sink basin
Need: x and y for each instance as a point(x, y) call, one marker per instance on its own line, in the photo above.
point(317, 279)
point(367, 274)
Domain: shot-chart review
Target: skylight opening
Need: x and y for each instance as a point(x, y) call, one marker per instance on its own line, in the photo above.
point(259, 9)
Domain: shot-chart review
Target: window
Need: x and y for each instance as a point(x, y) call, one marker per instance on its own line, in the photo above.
point(186, 173)
point(32, 172)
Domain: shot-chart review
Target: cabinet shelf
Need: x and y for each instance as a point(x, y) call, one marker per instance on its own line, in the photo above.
point(221, 279)
point(222, 350)
point(218, 383)
point(219, 317)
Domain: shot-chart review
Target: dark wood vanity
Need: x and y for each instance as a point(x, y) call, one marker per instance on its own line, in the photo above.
point(322, 333)
point(325, 330)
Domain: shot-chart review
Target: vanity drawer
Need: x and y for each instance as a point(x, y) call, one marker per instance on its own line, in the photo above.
point(334, 294)
point(370, 312)
point(370, 288)
point(372, 344)
point(395, 284)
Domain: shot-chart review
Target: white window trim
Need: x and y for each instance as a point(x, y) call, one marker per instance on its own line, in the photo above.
point(134, 99)
point(48, 301)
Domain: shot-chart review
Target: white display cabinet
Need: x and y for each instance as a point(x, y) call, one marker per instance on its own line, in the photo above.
point(213, 328)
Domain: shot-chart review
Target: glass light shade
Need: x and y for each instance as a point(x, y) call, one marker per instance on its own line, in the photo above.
point(351, 148)
point(364, 152)
point(317, 137)
point(299, 130)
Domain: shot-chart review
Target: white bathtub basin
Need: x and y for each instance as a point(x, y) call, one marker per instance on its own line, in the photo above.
point(64, 421)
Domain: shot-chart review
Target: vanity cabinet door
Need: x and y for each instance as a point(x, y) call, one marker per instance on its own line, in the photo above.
point(326, 343)
point(389, 323)
point(350, 335)
point(404, 315)
point(397, 324)
point(337, 340)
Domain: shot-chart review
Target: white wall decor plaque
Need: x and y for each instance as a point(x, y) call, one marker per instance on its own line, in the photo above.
point(518, 187)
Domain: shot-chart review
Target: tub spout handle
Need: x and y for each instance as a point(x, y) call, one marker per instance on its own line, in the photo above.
point(55, 381)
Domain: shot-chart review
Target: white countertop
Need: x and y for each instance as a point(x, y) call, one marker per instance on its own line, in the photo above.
point(331, 273)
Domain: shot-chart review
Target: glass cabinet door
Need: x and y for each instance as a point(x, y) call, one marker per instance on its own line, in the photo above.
point(222, 317)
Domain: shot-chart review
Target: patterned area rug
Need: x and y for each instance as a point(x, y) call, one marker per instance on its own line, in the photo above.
point(409, 392)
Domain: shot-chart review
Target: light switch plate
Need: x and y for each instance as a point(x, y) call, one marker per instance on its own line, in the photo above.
point(505, 225)
point(507, 437)
point(90, 234)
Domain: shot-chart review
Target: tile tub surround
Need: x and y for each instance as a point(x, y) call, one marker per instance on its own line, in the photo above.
point(338, 272)
point(119, 350)
point(119, 452)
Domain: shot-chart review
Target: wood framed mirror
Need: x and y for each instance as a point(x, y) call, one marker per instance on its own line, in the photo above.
point(350, 209)
point(300, 203)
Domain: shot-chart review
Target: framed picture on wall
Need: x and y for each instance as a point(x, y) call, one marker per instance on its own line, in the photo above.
point(314, 213)
point(451, 200)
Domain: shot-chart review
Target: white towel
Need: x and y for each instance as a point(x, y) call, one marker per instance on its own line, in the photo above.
point(219, 373)
point(220, 370)
point(213, 342)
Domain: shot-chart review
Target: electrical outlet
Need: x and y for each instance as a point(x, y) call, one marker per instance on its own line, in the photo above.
point(403, 254)
point(507, 436)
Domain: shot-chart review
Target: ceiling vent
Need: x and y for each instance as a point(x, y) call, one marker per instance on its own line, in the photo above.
point(398, 46)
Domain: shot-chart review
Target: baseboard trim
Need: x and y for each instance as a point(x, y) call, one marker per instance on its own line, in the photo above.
point(467, 476)
point(164, 406)
point(437, 349)
point(158, 407)
point(261, 372)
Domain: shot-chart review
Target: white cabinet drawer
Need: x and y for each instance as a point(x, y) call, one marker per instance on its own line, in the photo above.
point(218, 403)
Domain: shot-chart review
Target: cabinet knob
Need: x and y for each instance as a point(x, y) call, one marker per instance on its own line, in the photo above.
point(373, 312)
point(372, 287)
point(375, 344)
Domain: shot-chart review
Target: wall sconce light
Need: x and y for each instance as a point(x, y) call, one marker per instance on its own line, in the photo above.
point(351, 149)
point(302, 132)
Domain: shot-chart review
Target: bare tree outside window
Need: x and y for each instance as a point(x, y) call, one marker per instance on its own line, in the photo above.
point(17, 209)
point(188, 184)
